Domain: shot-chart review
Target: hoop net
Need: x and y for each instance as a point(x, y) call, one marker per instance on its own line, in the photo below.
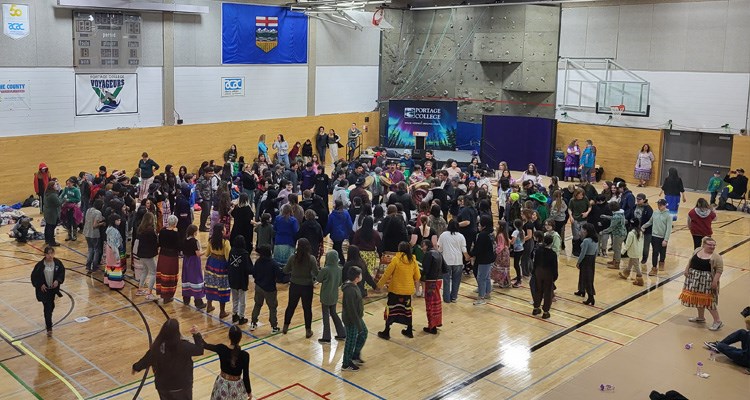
point(377, 16)
point(617, 110)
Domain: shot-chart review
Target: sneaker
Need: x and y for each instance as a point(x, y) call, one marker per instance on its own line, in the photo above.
point(716, 326)
point(235, 318)
point(340, 337)
point(358, 360)
point(351, 367)
point(324, 341)
point(536, 311)
point(384, 335)
point(696, 320)
point(622, 275)
point(711, 346)
point(432, 331)
point(517, 284)
point(479, 302)
point(454, 300)
point(242, 321)
point(545, 315)
point(151, 297)
point(254, 326)
point(139, 292)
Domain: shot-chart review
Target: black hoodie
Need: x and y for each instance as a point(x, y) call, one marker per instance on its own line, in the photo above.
point(240, 268)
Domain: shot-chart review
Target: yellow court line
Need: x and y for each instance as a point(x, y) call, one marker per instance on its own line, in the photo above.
point(46, 366)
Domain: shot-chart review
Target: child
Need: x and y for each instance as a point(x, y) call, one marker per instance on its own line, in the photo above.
point(21, 230)
point(618, 232)
point(265, 273)
point(240, 268)
point(714, 186)
point(192, 269)
point(633, 249)
point(549, 226)
point(356, 330)
point(517, 239)
point(264, 231)
point(113, 273)
point(501, 267)
point(600, 217)
point(330, 279)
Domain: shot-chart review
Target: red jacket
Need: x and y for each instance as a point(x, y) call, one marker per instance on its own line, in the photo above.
point(701, 226)
point(44, 176)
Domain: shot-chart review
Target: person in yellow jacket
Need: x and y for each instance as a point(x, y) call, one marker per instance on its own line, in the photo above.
point(401, 275)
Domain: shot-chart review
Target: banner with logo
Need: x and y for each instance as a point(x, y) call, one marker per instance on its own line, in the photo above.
point(103, 94)
point(437, 118)
point(231, 87)
point(262, 35)
point(14, 95)
point(16, 20)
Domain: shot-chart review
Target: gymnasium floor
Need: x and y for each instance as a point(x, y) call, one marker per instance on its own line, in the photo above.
point(633, 338)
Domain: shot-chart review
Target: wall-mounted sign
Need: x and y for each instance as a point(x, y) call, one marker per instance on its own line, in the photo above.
point(102, 94)
point(16, 20)
point(14, 95)
point(231, 87)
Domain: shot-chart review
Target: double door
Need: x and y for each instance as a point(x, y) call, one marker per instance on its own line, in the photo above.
point(696, 156)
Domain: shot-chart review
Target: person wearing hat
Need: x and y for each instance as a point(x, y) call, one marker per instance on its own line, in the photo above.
point(407, 161)
point(393, 176)
point(642, 214)
point(738, 182)
point(359, 191)
point(661, 221)
point(714, 186)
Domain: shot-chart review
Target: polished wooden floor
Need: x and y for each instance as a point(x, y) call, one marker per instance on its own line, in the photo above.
point(496, 351)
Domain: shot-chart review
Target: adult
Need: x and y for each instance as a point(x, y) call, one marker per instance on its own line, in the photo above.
point(393, 230)
point(321, 143)
point(484, 257)
point(249, 181)
point(352, 135)
point(330, 280)
point(572, 160)
point(243, 222)
point(206, 186)
point(452, 245)
point(433, 267)
point(333, 145)
point(282, 150)
point(46, 277)
point(558, 212)
point(586, 263)
point(738, 183)
point(308, 177)
point(661, 221)
point(285, 227)
point(170, 356)
point(233, 383)
point(643, 165)
point(354, 259)
point(311, 230)
point(587, 161)
point(579, 207)
point(739, 356)
point(217, 271)
point(339, 227)
point(146, 166)
point(41, 180)
point(70, 212)
point(400, 275)
point(545, 274)
point(367, 239)
point(642, 214)
point(672, 189)
point(239, 270)
point(168, 265)
point(453, 169)
point(147, 250)
point(262, 149)
point(699, 221)
point(701, 288)
point(627, 200)
point(531, 174)
point(467, 224)
point(303, 268)
point(92, 222)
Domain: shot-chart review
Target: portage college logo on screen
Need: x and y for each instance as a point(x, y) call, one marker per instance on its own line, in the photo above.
point(107, 90)
point(266, 32)
point(421, 113)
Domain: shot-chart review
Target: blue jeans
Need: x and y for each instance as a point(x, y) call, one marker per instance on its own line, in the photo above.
point(93, 255)
point(738, 356)
point(586, 174)
point(451, 282)
point(285, 159)
point(483, 279)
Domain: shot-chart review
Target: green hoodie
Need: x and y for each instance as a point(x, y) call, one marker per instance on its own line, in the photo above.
point(661, 223)
point(330, 279)
point(353, 309)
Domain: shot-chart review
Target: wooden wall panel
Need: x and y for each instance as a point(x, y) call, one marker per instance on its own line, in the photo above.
point(617, 147)
point(741, 153)
point(68, 154)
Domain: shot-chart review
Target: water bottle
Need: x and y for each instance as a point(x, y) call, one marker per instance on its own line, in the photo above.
point(699, 371)
point(606, 387)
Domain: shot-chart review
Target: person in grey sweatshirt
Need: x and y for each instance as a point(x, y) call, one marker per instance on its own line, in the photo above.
point(661, 229)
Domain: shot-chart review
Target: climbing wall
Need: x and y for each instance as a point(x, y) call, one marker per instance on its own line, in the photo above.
point(492, 60)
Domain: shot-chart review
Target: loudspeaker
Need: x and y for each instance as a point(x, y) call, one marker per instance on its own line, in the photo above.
point(418, 154)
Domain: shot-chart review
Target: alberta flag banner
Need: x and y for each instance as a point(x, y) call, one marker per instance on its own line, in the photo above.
point(262, 35)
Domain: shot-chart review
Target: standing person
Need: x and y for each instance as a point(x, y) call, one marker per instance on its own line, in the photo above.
point(321, 144)
point(352, 314)
point(170, 356)
point(643, 165)
point(303, 268)
point(51, 213)
point(285, 228)
point(633, 248)
point(572, 160)
point(354, 259)
point(339, 227)
point(545, 275)
point(113, 273)
point(168, 265)
point(92, 222)
point(618, 233)
point(401, 275)
point(333, 145)
point(240, 268)
point(233, 383)
point(367, 240)
point(661, 223)
point(249, 182)
point(46, 277)
point(70, 211)
point(217, 272)
point(282, 150)
point(701, 288)
point(672, 189)
point(192, 272)
point(266, 273)
point(558, 212)
point(501, 268)
point(307, 151)
point(579, 209)
point(484, 256)
point(146, 166)
point(243, 222)
point(330, 280)
point(642, 214)
point(41, 181)
point(263, 148)
point(311, 230)
point(148, 248)
point(352, 135)
point(434, 268)
point(467, 224)
point(699, 221)
point(587, 161)
point(586, 263)
point(452, 245)
point(206, 186)
point(714, 186)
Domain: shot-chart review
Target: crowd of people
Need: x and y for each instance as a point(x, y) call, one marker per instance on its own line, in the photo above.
point(413, 227)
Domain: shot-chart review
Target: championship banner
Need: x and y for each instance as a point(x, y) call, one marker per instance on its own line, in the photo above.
point(437, 118)
point(262, 35)
point(16, 20)
point(102, 94)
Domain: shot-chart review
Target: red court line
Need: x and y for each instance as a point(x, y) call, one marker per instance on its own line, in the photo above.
point(322, 396)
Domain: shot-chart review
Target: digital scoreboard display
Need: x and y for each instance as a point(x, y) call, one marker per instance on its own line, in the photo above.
point(106, 39)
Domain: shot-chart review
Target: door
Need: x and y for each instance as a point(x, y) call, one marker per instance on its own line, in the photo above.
point(715, 154)
point(682, 151)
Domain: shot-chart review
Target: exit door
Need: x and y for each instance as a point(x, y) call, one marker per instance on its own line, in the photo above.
point(696, 156)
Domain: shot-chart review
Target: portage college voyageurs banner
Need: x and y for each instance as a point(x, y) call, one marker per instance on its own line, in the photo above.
point(437, 118)
point(262, 35)
point(102, 94)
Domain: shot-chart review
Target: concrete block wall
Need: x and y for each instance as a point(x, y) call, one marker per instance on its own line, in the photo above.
point(492, 60)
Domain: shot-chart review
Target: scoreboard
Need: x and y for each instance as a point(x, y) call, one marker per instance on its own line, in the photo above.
point(106, 39)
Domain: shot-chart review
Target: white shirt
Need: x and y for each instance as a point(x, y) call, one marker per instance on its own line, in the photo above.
point(453, 247)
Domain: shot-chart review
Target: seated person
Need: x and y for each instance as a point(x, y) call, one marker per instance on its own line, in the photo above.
point(738, 183)
point(22, 229)
point(739, 356)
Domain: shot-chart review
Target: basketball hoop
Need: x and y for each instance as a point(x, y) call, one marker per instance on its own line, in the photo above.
point(617, 111)
point(377, 16)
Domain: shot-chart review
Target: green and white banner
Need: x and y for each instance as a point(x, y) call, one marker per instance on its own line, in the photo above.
point(102, 94)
